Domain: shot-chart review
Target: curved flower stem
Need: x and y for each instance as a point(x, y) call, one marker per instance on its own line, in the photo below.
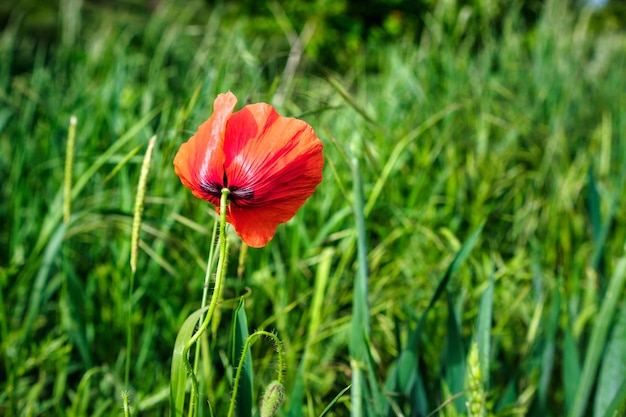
point(207, 283)
point(246, 347)
point(215, 296)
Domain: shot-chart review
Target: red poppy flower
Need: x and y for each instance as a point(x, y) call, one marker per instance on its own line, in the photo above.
point(271, 164)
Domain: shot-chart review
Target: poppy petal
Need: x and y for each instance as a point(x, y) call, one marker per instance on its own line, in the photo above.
point(200, 161)
point(283, 144)
point(282, 167)
point(256, 225)
point(245, 125)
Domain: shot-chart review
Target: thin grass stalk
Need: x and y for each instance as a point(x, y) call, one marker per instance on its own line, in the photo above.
point(134, 243)
point(69, 164)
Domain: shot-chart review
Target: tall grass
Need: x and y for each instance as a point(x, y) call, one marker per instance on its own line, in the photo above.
point(492, 164)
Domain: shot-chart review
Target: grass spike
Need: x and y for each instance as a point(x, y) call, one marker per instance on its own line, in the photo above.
point(69, 164)
point(139, 200)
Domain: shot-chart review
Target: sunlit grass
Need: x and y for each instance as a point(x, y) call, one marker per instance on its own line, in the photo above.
point(520, 133)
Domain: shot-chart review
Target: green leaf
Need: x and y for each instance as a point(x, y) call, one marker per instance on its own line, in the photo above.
point(178, 377)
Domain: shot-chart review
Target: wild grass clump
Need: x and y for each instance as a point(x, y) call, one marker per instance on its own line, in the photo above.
point(470, 218)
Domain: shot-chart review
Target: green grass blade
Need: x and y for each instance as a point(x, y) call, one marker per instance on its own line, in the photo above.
point(455, 358)
point(332, 403)
point(360, 325)
point(376, 401)
point(617, 407)
point(460, 257)
point(71, 303)
point(571, 365)
point(296, 396)
point(349, 99)
point(547, 353)
point(359, 392)
point(319, 292)
point(178, 376)
point(600, 229)
point(482, 333)
point(52, 250)
point(613, 371)
point(593, 202)
point(80, 400)
point(240, 334)
point(404, 375)
point(598, 339)
point(397, 153)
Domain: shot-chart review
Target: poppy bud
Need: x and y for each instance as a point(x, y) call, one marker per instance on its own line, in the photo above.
point(273, 398)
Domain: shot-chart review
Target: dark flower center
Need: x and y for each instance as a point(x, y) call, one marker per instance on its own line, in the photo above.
point(236, 193)
point(241, 193)
point(212, 188)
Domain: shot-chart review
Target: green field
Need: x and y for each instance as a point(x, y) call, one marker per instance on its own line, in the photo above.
point(464, 255)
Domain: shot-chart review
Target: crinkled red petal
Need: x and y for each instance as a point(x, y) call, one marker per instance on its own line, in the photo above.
point(200, 160)
point(282, 165)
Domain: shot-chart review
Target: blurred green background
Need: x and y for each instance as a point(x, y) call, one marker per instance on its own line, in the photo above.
point(487, 138)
